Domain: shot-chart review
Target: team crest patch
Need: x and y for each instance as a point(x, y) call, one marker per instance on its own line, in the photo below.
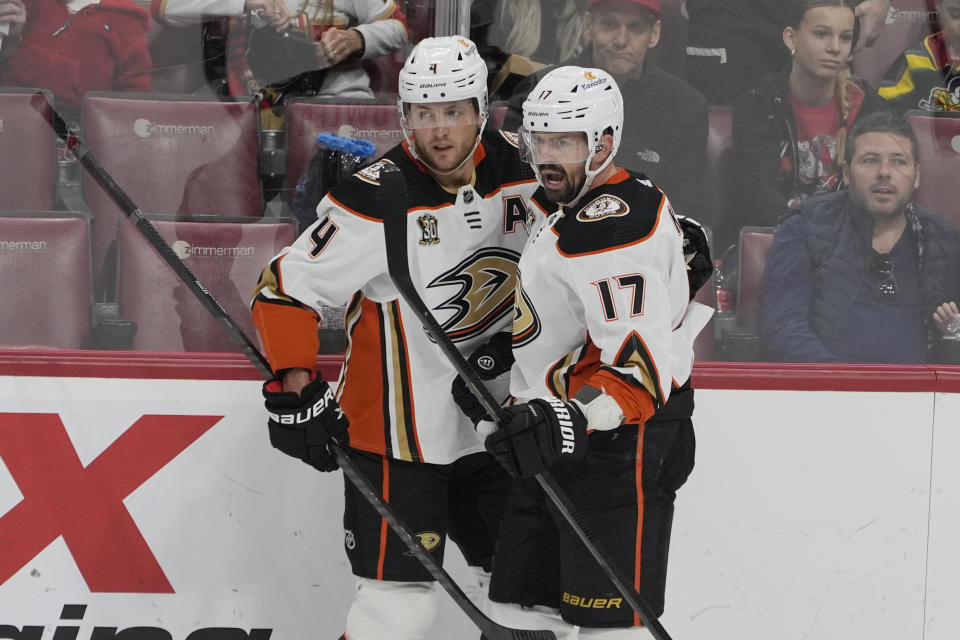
point(605, 206)
point(480, 292)
point(428, 229)
point(371, 174)
point(429, 539)
point(511, 137)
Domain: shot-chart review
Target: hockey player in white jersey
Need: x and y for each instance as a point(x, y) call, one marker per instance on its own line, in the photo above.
point(603, 354)
point(469, 194)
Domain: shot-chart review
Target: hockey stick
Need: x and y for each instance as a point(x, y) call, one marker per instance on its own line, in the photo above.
point(489, 628)
point(393, 199)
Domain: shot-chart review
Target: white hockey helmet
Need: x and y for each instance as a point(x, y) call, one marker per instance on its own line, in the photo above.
point(443, 69)
point(573, 99)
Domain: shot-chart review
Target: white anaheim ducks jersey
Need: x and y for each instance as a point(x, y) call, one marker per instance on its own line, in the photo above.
point(602, 289)
point(463, 251)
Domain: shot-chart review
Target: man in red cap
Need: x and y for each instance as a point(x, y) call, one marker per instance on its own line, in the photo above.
point(665, 135)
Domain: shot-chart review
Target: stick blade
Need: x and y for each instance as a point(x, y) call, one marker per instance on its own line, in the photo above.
point(519, 634)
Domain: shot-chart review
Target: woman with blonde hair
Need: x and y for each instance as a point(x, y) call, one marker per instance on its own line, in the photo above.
point(789, 131)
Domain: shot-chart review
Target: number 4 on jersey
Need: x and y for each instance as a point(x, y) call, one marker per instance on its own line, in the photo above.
point(634, 282)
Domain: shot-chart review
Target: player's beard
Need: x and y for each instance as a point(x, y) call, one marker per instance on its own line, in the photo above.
point(559, 186)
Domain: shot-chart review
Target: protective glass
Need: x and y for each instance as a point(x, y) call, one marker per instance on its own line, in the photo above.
point(431, 115)
point(540, 147)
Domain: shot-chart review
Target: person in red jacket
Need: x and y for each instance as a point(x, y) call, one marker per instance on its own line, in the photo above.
point(78, 46)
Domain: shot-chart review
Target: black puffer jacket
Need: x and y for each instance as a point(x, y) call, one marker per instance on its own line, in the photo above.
point(837, 244)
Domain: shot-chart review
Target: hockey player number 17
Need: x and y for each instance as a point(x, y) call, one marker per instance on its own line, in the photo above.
point(634, 282)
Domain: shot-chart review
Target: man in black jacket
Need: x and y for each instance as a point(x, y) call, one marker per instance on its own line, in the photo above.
point(667, 136)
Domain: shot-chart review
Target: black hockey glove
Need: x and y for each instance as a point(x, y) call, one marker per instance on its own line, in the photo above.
point(302, 425)
point(696, 253)
point(491, 360)
point(537, 434)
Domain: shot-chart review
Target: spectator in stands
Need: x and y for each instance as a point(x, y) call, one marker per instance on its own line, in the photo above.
point(733, 44)
point(863, 275)
point(666, 135)
point(13, 15)
point(789, 131)
point(298, 48)
point(76, 46)
point(928, 76)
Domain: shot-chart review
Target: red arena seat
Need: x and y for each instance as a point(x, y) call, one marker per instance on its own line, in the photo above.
point(172, 154)
point(755, 244)
point(939, 140)
point(227, 256)
point(498, 111)
point(28, 167)
point(376, 122)
point(45, 258)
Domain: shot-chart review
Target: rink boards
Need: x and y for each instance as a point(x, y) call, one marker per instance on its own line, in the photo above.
point(145, 494)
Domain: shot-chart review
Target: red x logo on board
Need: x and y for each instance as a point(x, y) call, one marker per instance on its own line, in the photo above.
point(61, 497)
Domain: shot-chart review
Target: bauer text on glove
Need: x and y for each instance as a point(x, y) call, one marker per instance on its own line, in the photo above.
point(302, 425)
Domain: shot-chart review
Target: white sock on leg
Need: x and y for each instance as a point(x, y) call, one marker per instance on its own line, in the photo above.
point(396, 610)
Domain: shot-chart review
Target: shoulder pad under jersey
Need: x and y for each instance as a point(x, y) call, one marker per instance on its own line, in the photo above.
point(611, 216)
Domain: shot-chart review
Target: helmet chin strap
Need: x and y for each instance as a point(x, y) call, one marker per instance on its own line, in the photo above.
point(589, 175)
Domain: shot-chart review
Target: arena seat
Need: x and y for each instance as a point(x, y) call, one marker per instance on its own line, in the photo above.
point(172, 154)
point(28, 167)
point(719, 171)
point(45, 258)
point(374, 121)
point(498, 111)
point(755, 244)
point(227, 256)
point(938, 137)
point(908, 21)
point(738, 340)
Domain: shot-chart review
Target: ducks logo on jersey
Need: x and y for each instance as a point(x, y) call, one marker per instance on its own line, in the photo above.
point(605, 206)
point(485, 284)
point(526, 322)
